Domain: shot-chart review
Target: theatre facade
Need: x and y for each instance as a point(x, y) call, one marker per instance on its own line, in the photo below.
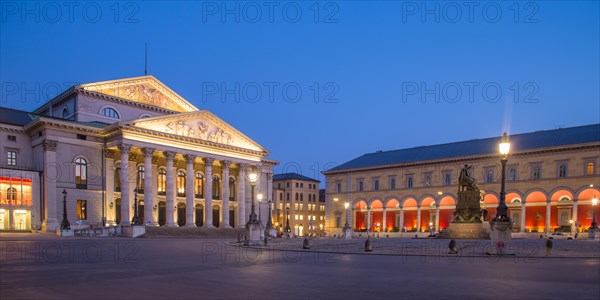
point(551, 178)
point(101, 145)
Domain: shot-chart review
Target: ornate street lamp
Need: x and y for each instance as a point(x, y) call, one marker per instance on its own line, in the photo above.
point(269, 221)
point(64, 224)
point(287, 220)
point(346, 226)
point(136, 218)
point(252, 177)
point(502, 211)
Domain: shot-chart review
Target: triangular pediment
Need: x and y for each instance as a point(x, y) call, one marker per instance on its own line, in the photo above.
point(143, 89)
point(202, 125)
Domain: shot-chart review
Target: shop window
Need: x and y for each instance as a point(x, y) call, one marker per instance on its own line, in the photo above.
point(81, 209)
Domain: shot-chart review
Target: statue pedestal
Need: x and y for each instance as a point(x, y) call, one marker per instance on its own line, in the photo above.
point(501, 236)
point(593, 233)
point(133, 230)
point(254, 234)
point(65, 232)
point(466, 231)
point(347, 234)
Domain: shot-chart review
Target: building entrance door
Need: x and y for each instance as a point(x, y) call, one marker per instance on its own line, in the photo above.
point(20, 219)
point(2, 219)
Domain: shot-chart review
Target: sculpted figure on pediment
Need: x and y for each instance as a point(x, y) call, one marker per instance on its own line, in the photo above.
point(169, 128)
point(203, 129)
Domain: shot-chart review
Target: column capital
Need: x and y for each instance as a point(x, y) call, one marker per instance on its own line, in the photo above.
point(124, 147)
point(169, 155)
point(148, 151)
point(108, 153)
point(226, 163)
point(208, 160)
point(49, 145)
point(269, 176)
point(189, 158)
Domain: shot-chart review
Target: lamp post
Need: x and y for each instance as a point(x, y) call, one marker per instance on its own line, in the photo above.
point(136, 218)
point(252, 177)
point(287, 228)
point(259, 197)
point(269, 221)
point(502, 211)
point(346, 226)
point(64, 224)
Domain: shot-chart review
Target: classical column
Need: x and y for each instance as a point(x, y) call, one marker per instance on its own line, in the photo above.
point(125, 189)
point(574, 216)
point(148, 182)
point(51, 172)
point(189, 193)
point(155, 192)
point(368, 219)
point(523, 216)
point(547, 216)
point(208, 217)
point(418, 218)
point(437, 218)
point(241, 197)
point(225, 211)
point(383, 221)
point(353, 218)
point(109, 185)
point(401, 225)
point(171, 189)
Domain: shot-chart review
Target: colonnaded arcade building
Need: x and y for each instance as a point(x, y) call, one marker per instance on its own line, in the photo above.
point(551, 178)
point(105, 143)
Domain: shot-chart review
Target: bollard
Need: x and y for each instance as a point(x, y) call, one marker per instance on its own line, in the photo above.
point(548, 246)
point(368, 246)
point(306, 244)
point(452, 247)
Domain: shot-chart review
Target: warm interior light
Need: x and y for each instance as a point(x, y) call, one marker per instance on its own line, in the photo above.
point(439, 193)
point(259, 197)
point(504, 144)
point(335, 199)
point(346, 205)
point(594, 201)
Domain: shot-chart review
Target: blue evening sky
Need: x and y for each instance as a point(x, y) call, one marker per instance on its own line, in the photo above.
point(372, 75)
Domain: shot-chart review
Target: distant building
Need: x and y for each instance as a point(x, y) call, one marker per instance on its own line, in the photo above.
point(102, 142)
point(300, 196)
point(551, 178)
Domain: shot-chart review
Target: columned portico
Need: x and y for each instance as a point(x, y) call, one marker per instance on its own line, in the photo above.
point(189, 193)
point(208, 217)
point(148, 187)
point(50, 214)
point(170, 189)
point(124, 177)
point(225, 209)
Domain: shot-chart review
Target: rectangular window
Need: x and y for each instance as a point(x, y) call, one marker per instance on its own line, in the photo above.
point(301, 206)
point(376, 185)
point(12, 138)
point(427, 179)
point(302, 185)
point(447, 177)
point(536, 171)
point(12, 158)
point(296, 217)
point(562, 169)
point(339, 187)
point(589, 168)
point(392, 183)
point(489, 175)
point(287, 184)
point(512, 174)
point(360, 186)
point(338, 221)
point(295, 206)
point(279, 185)
point(301, 217)
point(81, 209)
point(409, 181)
point(296, 184)
point(81, 137)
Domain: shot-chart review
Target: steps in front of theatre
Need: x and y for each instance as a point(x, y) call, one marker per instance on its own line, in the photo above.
point(193, 232)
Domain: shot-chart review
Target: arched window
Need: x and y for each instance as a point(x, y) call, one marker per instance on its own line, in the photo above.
point(301, 197)
point(512, 174)
point(118, 177)
point(162, 181)
point(180, 183)
point(199, 185)
point(409, 182)
point(65, 113)
point(11, 194)
point(216, 187)
point(140, 178)
point(392, 183)
point(287, 196)
point(280, 196)
point(231, 189)
point(296, 197)
point(589, 170)
point(376, 185)
point(81, 173)
point(110, 112)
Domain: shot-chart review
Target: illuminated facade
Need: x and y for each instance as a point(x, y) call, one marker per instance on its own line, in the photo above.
point(298, 195)
point(552, 176)
point(108, 142)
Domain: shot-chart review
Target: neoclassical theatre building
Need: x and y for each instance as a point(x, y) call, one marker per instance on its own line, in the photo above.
point(551, 178)
point(107, 143)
